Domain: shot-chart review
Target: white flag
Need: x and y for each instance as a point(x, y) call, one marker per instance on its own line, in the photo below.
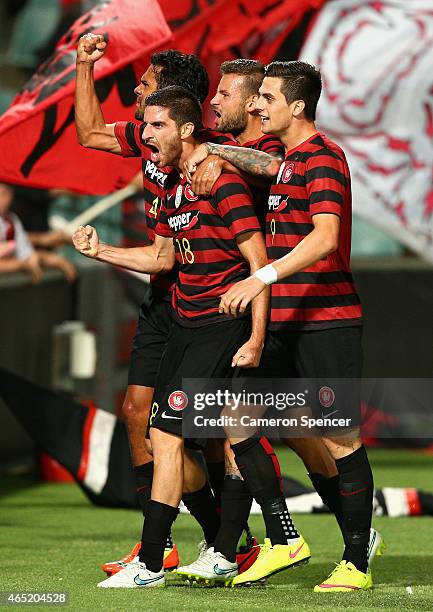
point(376, 60)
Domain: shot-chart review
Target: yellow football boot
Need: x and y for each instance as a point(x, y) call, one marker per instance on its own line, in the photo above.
point(274, 559)
point(345, 578)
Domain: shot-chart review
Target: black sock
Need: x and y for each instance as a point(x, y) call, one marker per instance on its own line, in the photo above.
point(157, 525)
point(144, 479)
point(329, 491)
point(216, 471)
point(202, 506)
point(235, 510)
point(356, 493)
point(249, 536)
point(260, 469)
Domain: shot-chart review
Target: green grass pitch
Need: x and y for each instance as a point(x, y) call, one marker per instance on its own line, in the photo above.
point(53, 539)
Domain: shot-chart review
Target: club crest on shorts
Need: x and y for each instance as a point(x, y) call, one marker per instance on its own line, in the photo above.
point(326, 396)
point(178, 400)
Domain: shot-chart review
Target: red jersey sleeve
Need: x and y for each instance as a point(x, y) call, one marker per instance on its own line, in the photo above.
point(327, 181)
point(128, 135)
point(232, 198)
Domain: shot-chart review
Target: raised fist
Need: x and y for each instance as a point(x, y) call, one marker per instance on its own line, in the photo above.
point(86, 241)
point(91, 47)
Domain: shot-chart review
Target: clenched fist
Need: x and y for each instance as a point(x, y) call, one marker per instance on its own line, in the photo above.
point(86, 241)
point(91, 47)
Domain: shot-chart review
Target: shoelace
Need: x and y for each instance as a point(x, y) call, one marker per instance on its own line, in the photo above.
point(335, 570)
point(202, 548)
point(264, 548)
point(205, 559)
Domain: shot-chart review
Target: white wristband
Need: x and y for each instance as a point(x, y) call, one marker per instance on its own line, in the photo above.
point(267, 275)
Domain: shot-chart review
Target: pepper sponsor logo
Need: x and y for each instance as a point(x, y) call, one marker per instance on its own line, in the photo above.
point(276, 203)
point(154, 173)
point(184, 221)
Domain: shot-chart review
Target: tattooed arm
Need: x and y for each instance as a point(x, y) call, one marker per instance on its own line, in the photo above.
point(248, 160)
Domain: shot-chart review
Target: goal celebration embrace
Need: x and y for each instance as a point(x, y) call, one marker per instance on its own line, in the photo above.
point(249, 227)
point(216, 263)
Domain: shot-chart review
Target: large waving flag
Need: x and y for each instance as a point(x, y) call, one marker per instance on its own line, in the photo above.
point(37, 133)
point(226, 29)
point(376, 59)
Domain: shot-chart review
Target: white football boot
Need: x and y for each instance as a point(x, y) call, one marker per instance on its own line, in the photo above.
point(135, 575)
point(211, 567)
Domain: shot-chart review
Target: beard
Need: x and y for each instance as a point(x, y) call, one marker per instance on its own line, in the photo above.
point(234, 123)
point(172, 151)
point(139, 114)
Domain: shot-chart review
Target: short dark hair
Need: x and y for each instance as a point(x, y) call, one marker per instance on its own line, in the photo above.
point(182, 69)
point(182, 105)
point(300, 81)
point(253, 70)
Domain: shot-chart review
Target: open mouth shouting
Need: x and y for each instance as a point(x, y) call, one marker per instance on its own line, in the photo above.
point(217, 117)
point(155, 154)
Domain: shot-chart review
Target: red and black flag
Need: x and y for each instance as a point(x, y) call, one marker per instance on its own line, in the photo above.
point(38, 130)
point(221, 30)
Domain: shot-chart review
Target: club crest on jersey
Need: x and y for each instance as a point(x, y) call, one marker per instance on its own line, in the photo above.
point(285, 173)
point(178, 198)
point(178, 400)
point(154, 173)
point(276, 203)
point(189, 194)
point(184, 221)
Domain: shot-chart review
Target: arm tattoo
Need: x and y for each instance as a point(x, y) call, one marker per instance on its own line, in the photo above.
point(248, 160)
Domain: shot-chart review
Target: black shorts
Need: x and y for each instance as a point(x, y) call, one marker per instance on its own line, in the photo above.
point(153, 328)
point(324, 353)
point(321, 358)
point(201, 352)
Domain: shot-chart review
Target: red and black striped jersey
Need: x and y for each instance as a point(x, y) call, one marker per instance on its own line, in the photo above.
point(272, 145)
point(129, 137)
point(314, 178)
point(205, 232)
point(267, 143)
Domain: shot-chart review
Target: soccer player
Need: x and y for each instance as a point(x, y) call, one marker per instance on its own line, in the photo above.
point(154, 322)
point(215, 241)
point(234, 105)
point(236, 113)
point(316, 316)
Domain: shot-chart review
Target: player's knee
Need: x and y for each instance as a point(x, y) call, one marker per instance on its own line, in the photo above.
point(166, 446)
point(343, 445)
point(133, 410)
